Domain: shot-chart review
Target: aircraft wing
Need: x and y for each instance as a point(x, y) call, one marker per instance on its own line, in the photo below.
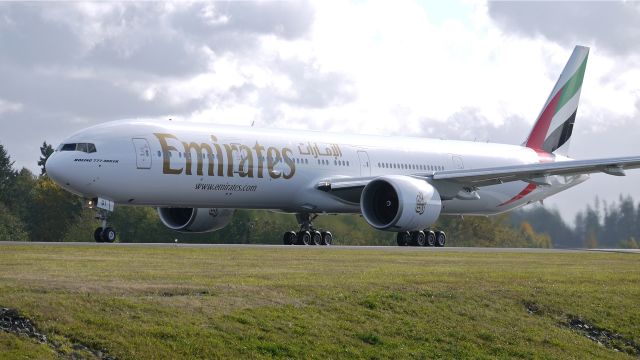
point(537, 172)
point(349, 189)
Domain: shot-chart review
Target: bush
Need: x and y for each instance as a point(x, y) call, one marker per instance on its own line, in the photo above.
point(11, 227)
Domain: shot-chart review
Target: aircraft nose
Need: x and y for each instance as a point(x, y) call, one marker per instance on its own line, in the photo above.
point(54, 169)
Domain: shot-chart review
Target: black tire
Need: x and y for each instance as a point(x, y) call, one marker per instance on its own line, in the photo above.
point(109, 235)
point(316, 238)
point(289, 238)
point(418, 238)
point(304, 238)
point(441, 238)
point(430, 238)
point(97, 235)
point(403, 238)
point(327, 238)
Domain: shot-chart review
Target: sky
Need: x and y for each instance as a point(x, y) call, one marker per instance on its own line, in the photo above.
point(467, 70)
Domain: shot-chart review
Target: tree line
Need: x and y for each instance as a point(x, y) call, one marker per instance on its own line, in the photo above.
point(34, 208)
point(601, 224)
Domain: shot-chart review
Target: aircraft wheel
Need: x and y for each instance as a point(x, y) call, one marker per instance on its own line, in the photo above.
point(304, 238)
point(403, 238)
point(289, 238)
point(316, 238)
point(418, 238)
point(97, 235)
point(327, 238)
point(109, 235)
point(441, 238)
point(430, 238)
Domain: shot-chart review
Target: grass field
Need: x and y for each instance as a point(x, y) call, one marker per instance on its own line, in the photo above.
point(174, 303)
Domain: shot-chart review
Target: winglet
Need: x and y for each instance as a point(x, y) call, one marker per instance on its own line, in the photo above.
point(552, 131)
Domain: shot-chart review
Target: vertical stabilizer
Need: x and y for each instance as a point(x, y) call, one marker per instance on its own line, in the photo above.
point(552, 131)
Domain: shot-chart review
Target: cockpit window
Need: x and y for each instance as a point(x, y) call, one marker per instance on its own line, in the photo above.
point(68, 147)
point(84, 147)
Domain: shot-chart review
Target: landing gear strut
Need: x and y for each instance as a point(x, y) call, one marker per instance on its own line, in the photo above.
point(308, 234)
point(421, 238)
point(104, 233)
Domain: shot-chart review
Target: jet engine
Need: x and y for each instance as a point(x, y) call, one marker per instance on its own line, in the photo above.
point(400, 203)
point(195, 219)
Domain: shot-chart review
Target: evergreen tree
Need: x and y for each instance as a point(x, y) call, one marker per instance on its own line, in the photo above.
point(625, 225)
point(588, 226)
point(7, 174)
point(45, 151)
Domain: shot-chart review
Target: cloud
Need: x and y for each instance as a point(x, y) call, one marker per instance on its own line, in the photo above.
point(7, 106)
point(610, 25)
point(231, 24)
point(470, 125)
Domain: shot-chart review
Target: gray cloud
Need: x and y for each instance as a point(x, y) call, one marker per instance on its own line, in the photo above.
point(232, 24)
point(610, 25)
point(314, 88)
point(65, 66)
point(469, 124)
point(26, 38)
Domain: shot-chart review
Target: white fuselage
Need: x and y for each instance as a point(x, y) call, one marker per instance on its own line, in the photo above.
point(165, 163)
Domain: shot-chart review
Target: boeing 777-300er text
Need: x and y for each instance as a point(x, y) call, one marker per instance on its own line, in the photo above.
point(197, 174)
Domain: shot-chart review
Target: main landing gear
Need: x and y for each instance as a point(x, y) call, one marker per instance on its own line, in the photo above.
point(104, 233)
point(421, 238)
point(307, 235)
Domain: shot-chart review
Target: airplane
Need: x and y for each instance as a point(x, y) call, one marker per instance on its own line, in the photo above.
point(196, 174)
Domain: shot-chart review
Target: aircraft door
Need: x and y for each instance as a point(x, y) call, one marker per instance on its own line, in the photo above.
point(457, 162)
point(365, 166)
point(143, 153)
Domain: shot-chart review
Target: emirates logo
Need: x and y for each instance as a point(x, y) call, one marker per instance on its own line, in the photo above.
point(420, 203)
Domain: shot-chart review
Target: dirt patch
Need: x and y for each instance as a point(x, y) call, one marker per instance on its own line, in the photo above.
point(532, 308)
point(12, 322)
point(184, 292)
point(604, 337)
point(607, 338)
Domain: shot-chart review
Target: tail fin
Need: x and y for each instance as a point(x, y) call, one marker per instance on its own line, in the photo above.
point(552, 130)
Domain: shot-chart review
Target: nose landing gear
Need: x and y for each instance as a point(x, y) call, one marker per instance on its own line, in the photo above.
point(308, 234)
point(104, 233)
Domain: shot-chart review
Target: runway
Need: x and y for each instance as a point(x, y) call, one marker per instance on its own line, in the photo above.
point(324, 248)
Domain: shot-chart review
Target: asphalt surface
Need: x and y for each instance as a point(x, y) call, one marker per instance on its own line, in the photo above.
point(333, 247)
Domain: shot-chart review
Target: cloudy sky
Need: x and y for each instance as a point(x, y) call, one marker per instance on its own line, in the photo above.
point(454, 69)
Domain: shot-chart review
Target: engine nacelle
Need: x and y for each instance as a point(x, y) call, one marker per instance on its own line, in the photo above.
point(195, 219)
point(400, 203)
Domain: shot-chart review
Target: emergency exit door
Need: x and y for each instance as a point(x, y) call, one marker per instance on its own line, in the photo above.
point(143, 153)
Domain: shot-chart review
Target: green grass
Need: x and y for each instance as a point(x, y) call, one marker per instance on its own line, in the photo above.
point(315, 303)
